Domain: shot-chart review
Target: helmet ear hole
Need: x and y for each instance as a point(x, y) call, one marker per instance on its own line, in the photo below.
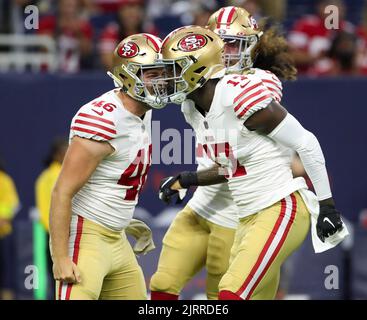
point(200, 70)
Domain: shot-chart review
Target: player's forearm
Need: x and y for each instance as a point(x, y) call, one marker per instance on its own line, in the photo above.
point(206, 177)
point(290, 133)
point(60, 217)
point(213, 175)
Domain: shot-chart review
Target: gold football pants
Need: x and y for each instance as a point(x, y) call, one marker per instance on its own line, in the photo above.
point(262, 243)
point(190, 244)
point(107, 264)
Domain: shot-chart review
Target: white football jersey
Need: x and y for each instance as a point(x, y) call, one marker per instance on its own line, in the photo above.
point(258, 169)
point(215, 203)
point(111, 193)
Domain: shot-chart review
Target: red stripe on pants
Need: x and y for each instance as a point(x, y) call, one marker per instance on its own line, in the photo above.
point(79, 230)
point(60, 288)
point(279, 246)
point(267, 246)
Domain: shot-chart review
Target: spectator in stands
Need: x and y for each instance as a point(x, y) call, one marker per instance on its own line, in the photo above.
point(103, 6)
point(73, 35)
point(131, 19)
point(310, 39)
point(9, 203)
point(44, 185)
point(49, 7)
point(341, 59)
point(44, 6)
point(273, 11)
point(47, 179)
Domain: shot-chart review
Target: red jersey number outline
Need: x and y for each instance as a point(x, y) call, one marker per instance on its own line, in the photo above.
point(137, 181)
point(109, 107)
point(240, 79)
point(219, 148)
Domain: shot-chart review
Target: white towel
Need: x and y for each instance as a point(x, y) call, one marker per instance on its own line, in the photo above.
point(143, 236)
point(313, 206)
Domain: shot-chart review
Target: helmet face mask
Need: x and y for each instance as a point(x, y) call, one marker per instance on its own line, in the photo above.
point(136, 70)
point(149, 86)
point(237, 52)
point(177, 86)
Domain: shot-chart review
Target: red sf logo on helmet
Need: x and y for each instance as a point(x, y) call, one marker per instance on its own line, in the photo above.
point(253, 23)
point(128, 50)
point(192, 42)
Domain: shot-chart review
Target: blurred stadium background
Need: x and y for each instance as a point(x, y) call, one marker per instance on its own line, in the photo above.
point(47, 73)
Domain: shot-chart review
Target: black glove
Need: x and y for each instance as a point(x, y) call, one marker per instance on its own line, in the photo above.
point(165, 191)
point(186, 180)
point(328, 222)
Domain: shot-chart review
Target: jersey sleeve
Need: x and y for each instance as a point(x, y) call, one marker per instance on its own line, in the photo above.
point(245, 95)
point(94, 125)
point(300, 34)
point(108, 39)
point(273, 84)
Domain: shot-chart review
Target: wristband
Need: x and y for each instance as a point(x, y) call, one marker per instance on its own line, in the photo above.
point(188, 179)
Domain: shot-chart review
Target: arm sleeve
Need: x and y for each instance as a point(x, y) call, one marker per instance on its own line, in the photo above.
point(291, 134)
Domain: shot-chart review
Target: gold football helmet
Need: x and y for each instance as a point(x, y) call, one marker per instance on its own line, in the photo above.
point(192, 55)
point(133, 57)
point(240, 32)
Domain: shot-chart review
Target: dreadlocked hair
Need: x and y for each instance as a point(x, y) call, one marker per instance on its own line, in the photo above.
point(272, 53)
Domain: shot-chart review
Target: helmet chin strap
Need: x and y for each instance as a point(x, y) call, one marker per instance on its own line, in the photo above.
point(215, 72)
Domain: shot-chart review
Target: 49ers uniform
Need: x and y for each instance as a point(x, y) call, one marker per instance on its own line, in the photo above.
point(215, 202)
point(123, 173)
point(104, 206)
point(211, 216)
point(273, 218)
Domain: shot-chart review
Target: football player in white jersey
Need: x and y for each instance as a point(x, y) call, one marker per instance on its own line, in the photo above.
point(211, 213)
point(102, 175)
point(248, 134)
